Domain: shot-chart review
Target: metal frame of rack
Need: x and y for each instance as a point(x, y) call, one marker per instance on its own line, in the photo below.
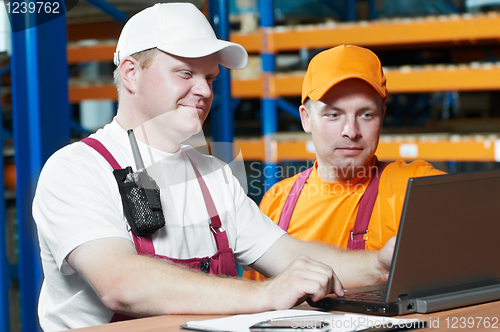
point(40, 126)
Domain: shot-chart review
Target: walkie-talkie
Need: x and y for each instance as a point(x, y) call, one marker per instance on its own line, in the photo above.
point(140, 195)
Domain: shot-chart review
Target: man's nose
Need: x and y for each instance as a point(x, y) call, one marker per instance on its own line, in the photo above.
point(202, 88)
point(351, 129)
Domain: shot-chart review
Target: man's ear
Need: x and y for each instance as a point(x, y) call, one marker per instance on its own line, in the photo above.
point(128, 73)
point(304, 118)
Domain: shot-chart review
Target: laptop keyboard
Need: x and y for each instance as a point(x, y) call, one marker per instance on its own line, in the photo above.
point(377, 296)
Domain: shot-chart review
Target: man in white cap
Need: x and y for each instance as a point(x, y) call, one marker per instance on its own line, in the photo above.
point(102, 264)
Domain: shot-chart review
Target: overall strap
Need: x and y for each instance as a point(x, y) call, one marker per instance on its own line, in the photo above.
point(143, 245)
point(291, 199)
point(365, 210)
point(215, 224)
point(96, 145)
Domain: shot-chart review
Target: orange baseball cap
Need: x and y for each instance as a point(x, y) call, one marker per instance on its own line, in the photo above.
point(339, 64)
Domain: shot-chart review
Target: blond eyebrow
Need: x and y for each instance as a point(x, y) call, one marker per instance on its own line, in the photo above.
point(368, 108)
point(212, 75)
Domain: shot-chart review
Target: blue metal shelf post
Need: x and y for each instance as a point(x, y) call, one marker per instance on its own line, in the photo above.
point(222, 114)
point(351, 10)
point(372, 10)
point(110, 10)
point(269, 107)
point(41, 122)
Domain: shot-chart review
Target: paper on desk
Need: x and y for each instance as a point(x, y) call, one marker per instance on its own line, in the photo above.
point(338, 321)
point(242, 323)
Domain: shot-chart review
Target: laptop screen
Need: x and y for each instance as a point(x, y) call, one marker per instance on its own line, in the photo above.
point(449, 235)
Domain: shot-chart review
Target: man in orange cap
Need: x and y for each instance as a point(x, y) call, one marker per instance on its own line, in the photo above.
point(348, 198)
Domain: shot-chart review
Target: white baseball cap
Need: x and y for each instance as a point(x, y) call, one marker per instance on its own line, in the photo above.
point(179, 29)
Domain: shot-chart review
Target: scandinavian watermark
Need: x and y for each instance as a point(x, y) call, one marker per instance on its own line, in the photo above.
point(260, 177)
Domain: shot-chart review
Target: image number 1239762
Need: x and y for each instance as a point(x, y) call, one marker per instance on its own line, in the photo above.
point(26, 14)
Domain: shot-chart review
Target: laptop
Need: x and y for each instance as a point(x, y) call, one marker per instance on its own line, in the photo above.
point(447, 252)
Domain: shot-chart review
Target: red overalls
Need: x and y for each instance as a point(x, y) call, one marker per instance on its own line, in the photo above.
point(356, 240)
point(221, 263)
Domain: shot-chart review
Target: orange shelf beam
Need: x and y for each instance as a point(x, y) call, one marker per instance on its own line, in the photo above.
point(457, 29)
point(87, 53)
point(251, 149)
point(247, 88)
point(279, 85)
point(295, 150)
point(428, 79)
point(433, 29)
point(94, 30)
point(252, 41)
point(455, 149)
point(444, 78)
point(288, 84)
point(78, 94)
point(456, 78)
point(443, 150)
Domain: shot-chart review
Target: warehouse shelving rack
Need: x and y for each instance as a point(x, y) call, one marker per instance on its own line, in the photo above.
point(454, 29)
point(463, 29)
point(42, 91)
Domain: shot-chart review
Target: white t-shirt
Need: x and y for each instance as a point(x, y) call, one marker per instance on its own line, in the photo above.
point(77, 201)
